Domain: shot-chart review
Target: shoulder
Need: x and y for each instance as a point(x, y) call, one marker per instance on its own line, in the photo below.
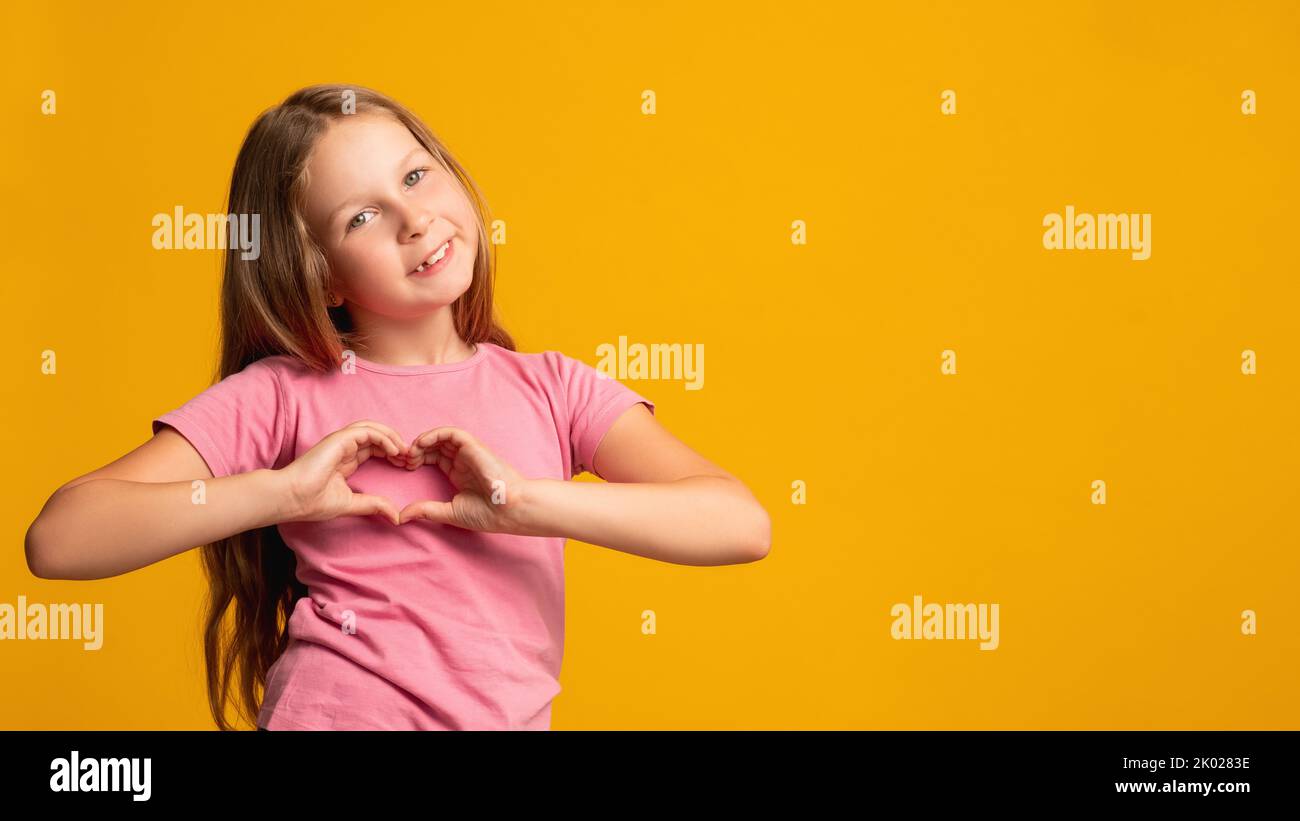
point(269, 370)
point(280, 364)
point(287, 369)
point(271, 376)
point(550, 364)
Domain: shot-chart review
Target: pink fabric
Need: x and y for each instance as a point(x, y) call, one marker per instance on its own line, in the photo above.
point(452, 629)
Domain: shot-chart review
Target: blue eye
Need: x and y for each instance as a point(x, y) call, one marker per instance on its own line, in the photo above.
point(421, 171)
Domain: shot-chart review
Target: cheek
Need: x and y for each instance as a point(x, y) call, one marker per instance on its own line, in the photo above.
point(471, 244)
point(468, 221)
point(362, 264)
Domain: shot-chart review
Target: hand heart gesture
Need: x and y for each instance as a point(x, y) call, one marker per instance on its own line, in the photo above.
point(317, 481)
point(487, 488)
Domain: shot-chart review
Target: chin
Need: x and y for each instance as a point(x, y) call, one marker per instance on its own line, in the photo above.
point(434, 295)
point(453, 285)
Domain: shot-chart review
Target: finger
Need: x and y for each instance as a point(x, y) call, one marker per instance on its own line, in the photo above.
point(368, 441)
point(367, 436)
point(421, 452)
point(365, 504)
point(394, 449)
point(398, 459)
point(363, 453)
point(440, 455)
point(393, 434)
point(447, 433)
point(439, 512)
point(418, 448)
point(349, 464)
point(417, 454)
point(453, 442)
point(444, 463)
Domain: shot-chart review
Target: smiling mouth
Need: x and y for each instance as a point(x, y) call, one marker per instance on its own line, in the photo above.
point(436, 260)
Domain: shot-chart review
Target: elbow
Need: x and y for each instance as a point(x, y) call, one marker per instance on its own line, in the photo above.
point(760, 540)
point(46, 544)
point(37, 561)
point(38, 545)
point(748, 531)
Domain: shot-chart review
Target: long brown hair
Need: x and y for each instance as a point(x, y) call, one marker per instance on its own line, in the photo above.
point(276, 305)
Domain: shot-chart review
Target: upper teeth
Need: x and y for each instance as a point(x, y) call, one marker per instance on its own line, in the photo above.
point(437, 255)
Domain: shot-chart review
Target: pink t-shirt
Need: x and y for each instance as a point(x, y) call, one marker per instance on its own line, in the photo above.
point(422, 625)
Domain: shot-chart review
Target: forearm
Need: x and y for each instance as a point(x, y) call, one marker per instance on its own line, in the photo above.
point(106, 527)
point(699, 520)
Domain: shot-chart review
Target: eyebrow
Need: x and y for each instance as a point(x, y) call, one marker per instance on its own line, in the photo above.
point(350, 203)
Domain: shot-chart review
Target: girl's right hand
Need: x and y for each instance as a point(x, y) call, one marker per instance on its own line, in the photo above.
point(315, 484)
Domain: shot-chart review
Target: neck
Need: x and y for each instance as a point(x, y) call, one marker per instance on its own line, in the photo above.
point(429, 339)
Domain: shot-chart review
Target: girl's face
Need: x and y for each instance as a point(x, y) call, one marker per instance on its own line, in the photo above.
point(379, 204)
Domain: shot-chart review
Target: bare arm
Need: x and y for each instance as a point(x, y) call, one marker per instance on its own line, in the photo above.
point(143, 508)
point(661, 500)
point(146, 507)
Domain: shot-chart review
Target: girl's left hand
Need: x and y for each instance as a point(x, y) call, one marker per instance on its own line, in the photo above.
point(487, 488)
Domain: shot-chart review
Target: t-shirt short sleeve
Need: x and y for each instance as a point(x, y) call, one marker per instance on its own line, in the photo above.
point(236, 425)
point(594, 402)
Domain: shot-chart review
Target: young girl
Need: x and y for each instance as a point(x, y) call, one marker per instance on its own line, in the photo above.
point(381, 470)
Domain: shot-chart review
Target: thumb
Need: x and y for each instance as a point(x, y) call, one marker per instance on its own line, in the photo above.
point(364, 504)
point(439, 512)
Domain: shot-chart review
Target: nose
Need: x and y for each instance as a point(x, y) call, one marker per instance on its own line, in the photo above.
point(416, 219)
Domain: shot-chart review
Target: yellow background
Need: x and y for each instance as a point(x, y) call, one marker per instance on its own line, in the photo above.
point(822, 361)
